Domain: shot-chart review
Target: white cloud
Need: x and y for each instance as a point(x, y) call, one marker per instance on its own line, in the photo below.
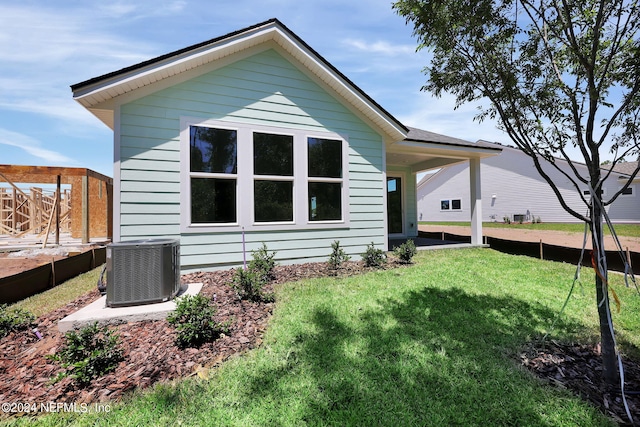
point(43, 51)
point(140, 10)
point(33, 147)
point(380, 47)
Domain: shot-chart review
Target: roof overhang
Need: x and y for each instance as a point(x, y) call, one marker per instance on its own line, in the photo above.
point(430, 151)
point(100, 95)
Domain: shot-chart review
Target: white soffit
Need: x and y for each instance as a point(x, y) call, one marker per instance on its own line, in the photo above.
point(96, 94)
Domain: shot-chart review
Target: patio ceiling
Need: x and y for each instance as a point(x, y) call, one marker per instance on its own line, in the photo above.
point(423, 151)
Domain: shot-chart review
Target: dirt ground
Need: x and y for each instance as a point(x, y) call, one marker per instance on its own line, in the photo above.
point(559, 238)
point(10, 264)
point(14, 265)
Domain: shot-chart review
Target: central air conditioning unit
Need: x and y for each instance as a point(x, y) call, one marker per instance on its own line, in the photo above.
point(142, 271)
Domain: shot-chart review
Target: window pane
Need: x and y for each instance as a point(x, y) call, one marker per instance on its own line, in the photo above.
point(455, 204)
point(273, 201)
point(213, 150)
point(272, 154)
point(325, 158)
point(325, 201)
point(444, 205)
point(213, 200)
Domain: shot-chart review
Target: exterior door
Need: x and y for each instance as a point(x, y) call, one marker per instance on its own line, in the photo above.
point(394, 205)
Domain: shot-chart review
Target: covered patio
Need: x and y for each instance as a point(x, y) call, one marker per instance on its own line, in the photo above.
point(423, 151)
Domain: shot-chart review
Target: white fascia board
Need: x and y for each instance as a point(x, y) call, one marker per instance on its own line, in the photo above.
point(135, 79)
point(442, 149)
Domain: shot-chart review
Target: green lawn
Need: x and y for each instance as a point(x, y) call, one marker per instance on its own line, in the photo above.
point(431, 344)
point(630, 230)
point(60, 295)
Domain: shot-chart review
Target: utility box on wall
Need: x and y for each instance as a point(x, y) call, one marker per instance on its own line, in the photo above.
point(142, 271)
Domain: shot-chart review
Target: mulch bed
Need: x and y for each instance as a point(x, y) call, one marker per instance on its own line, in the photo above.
point(578, 368)
point(151, 356)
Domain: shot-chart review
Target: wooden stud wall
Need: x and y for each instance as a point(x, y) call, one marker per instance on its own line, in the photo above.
point(85, 210)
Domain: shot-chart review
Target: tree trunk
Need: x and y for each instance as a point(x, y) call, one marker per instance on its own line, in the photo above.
point(609, 369)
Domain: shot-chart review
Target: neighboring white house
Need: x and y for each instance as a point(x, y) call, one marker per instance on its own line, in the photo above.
point(254, 137)
point(512, 187)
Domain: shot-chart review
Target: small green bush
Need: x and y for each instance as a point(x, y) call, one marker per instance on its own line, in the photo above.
point(88, 353)
point(338, 256)
point(263, 263)
point(194, 323)
point(15, 319)
point(506, 220)
point(249, 285)
point(405, 252)
point(373, 257)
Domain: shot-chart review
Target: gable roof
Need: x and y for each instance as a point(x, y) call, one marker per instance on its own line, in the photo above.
point(624, 168)
point(627, 168)
point(97, 94)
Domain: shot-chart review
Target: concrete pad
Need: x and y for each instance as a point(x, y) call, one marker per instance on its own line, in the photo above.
point(97, 311)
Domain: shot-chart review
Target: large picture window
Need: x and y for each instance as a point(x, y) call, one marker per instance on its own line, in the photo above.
point(273, 177)
point(213, 169)
point(325, 179)
point(238, 176)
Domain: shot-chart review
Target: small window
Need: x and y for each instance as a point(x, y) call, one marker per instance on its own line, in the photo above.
point(213, 175)
point(273, 201)
point(213, 200)
point(325, 179)
point(272, 154)
point(325, 201)
point(325, 158)
point(628, 191)
point(456, 204)
point(445, 205)
point(213, 150)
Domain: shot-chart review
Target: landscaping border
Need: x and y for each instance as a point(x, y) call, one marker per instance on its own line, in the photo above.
point(28, 283)
point(541, 250)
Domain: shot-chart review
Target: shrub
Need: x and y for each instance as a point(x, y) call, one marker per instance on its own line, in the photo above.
point(263, 263)
point(338, 256)
point(249, 284)
point(15, 319)
point(194, 323)
point(405, 252)
point(506, 220)
point(373, 257)
point(88, 353)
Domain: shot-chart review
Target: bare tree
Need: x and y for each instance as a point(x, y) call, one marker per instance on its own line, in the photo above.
point(556, 74)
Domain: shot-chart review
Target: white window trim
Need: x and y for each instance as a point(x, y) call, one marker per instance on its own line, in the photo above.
point(245, 179)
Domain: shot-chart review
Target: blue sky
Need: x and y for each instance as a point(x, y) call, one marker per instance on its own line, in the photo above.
point(47, 46)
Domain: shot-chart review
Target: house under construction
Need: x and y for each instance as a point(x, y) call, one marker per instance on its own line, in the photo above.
point(50, 201)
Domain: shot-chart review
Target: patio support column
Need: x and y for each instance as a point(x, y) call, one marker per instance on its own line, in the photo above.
point(475, 201)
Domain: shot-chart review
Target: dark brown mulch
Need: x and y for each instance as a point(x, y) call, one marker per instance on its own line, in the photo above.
point(150, 354)
point(578, 368)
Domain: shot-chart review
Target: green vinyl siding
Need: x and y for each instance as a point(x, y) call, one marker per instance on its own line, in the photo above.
point(266, 90)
